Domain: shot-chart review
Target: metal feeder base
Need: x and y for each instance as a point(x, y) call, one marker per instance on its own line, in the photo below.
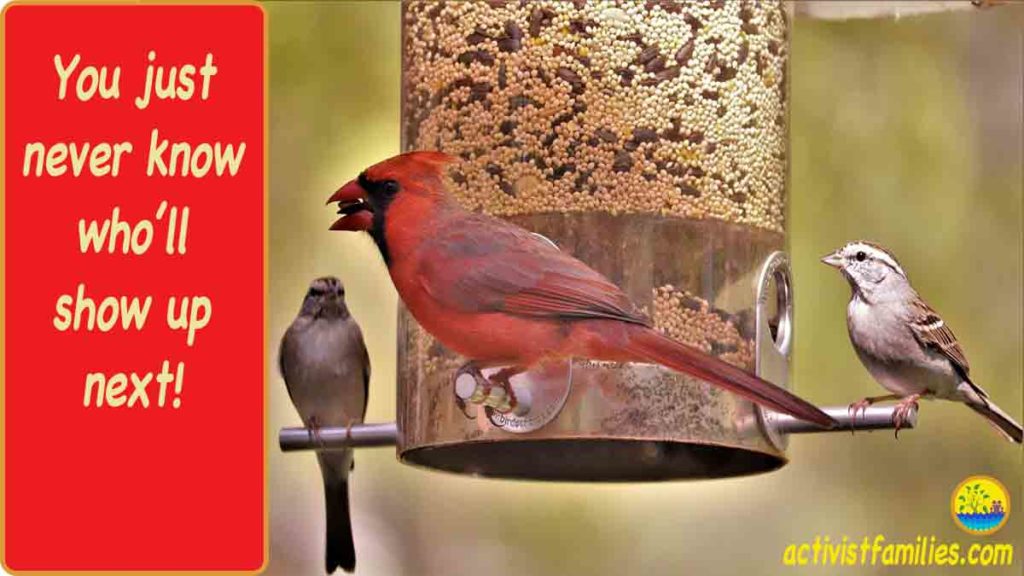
point(593, 459)
point(619, 422)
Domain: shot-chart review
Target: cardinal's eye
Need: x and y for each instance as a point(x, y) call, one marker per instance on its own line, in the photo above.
point(389, 187)
point(861, 256)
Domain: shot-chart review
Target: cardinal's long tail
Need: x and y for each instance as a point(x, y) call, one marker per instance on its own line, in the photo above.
point(999, 419)
point(646, 344)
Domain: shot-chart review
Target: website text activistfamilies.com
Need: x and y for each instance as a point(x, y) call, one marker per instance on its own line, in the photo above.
point(923, 551)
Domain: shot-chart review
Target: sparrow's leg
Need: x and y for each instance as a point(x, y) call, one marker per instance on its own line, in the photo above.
point(903, 410)
point(501, 379)
point(483, 384)
point(314, 431)
point(348, 437)
point(862, 407)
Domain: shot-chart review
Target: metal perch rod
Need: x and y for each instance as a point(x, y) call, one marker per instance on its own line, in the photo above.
point(874, 418)
point(386, 434)
point(358, 436)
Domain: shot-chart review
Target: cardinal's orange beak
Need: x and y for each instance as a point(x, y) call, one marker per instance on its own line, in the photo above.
point(356, 214)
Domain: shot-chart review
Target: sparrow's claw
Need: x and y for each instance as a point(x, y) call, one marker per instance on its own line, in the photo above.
point(314, 431)
point(901, 414)
point(859, 406)
point(862, 407)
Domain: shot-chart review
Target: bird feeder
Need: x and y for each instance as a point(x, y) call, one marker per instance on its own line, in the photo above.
point(649, 139)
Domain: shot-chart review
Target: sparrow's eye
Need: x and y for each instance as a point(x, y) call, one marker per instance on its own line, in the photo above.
point(861, 256)
point(389, 187)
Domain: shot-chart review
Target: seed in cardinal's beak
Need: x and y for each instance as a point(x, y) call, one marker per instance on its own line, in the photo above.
point(351, 207)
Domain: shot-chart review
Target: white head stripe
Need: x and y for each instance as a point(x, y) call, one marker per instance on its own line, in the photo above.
point(877, 252)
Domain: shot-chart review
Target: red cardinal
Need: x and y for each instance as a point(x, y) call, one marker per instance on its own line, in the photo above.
point(500, 296)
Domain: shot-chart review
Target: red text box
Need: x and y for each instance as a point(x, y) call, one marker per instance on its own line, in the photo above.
point(163, 469)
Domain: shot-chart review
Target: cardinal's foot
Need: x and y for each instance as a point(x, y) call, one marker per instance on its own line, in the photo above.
point(475, 390)
point(501, 396)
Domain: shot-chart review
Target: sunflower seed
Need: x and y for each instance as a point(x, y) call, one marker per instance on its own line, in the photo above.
point(684, 53)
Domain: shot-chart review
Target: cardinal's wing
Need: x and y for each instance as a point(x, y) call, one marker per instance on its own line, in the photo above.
point(482, 264)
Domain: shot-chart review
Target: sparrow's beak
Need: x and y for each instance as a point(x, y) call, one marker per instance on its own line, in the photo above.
point(356, 214)
point(834, 260)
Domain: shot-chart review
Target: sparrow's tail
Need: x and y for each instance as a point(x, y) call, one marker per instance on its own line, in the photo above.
point(1000, 420)
point(646, 344)
point(341, 549)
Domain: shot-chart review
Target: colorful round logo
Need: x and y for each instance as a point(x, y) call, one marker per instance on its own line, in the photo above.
point(980, 505)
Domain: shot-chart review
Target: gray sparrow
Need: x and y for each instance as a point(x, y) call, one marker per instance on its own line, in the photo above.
point(327, 372)
point(903, 342)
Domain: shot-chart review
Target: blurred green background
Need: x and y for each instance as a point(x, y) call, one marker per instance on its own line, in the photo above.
point(904, 131)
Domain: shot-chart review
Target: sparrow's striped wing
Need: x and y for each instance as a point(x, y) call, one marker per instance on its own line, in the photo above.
point(932, 332)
